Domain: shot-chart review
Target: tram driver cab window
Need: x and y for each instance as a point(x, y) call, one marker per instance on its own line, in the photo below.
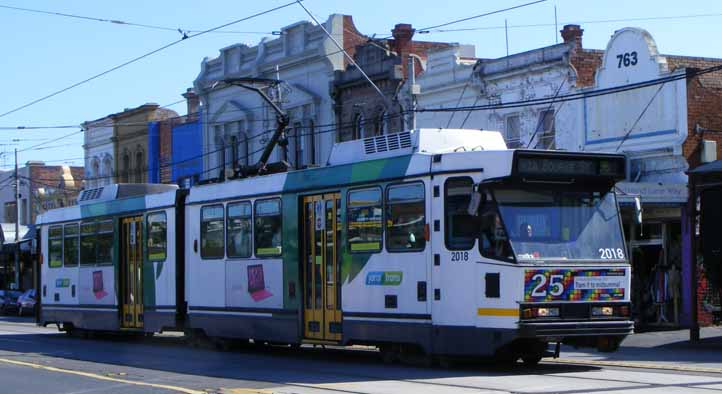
point(493, 239)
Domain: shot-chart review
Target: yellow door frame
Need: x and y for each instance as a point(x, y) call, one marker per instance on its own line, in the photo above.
point(322, 312)
point(132, 272)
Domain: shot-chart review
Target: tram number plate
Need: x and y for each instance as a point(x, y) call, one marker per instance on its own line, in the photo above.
point(459, 256)
point(542, 285)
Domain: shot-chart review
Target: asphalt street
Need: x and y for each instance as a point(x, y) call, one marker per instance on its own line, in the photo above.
point(39, 360)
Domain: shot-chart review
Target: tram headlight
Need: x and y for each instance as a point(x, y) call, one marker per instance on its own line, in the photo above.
point(602, 311)
point(548, 312)
point(530, 313)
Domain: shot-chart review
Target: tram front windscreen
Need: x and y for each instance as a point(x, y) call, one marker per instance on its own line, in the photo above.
point(561, 224)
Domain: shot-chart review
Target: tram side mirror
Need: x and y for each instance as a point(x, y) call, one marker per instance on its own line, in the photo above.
point(476, 200)
point(638, 210)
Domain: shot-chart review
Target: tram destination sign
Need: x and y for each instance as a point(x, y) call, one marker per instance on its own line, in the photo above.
point(569, 165)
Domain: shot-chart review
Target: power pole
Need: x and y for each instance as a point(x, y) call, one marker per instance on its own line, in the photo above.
point(414, 89)
point(17, 222)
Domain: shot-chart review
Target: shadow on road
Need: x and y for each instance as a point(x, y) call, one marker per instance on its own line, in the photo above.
point(269, 364)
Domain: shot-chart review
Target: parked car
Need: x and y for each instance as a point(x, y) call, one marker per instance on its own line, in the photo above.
point(9, 302)
point(26, 303)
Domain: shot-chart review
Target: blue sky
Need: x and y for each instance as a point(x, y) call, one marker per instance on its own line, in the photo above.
point(45, 53)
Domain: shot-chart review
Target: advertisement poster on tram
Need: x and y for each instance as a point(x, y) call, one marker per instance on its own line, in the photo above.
point(543, 285)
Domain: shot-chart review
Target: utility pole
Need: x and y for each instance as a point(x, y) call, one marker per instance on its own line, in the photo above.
point(17, 222)
point(414, 89)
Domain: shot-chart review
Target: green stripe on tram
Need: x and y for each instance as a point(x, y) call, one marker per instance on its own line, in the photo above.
point(334, 178)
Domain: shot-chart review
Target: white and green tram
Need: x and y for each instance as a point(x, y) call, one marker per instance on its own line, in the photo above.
point(435, 241)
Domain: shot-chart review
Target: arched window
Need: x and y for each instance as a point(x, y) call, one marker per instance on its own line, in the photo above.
point(139, 167)
point(243, 158)
point(107, 174)
point(294, 145)
point(125, 168)
point(95, 177)
point(242, 155)
point(310, 143)
point(382, 122)
point(359, 126)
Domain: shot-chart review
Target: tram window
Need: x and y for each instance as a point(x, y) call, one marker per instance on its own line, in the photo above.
point(105, 242)
point(460, 228)
point(212, 232)
point(88, 242)
point(71, 243)
point(493, 239)
point(238, 230)
point(365, 217)
point(157, 236)
point(405, 218)
point(268, 228)
point(55, 246)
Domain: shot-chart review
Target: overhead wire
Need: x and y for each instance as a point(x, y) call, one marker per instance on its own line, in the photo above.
point(143, 56)
point(119, 22)
point(587, 22)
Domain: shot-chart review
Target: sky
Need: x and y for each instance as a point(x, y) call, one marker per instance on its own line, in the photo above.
point(45, 53)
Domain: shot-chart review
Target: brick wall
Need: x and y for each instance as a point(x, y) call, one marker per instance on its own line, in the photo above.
point(586, 62)
point(165, 149)
point(704, 105)
point(351, 38)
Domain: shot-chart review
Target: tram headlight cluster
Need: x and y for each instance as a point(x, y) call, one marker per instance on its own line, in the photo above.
point(530, 313)
point(609, 311)
point(603, 311)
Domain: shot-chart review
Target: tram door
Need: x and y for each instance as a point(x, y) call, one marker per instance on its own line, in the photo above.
point(321, 266)
point(131, 271)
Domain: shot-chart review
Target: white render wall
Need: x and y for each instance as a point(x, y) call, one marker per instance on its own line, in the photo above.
point(453, 80)
point(98, 147)
point(306, 59)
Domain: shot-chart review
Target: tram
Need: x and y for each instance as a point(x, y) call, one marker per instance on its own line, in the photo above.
point(442, 242)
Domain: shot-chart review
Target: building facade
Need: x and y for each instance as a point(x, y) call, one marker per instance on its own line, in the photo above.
point(41, 188)
point(360, 110)
point(116, 145)
point(99, 152)
point(175, 146)
point(131, 141)
point(237, 123)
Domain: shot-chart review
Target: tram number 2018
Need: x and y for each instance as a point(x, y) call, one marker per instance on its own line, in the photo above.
point(611, 253)
point(459, 256)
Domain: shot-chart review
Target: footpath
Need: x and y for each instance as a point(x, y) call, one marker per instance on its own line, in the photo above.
point(669, 350)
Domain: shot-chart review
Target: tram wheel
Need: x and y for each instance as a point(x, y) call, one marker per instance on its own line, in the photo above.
point(389, 353)
point(446, 362)
point(531, 361)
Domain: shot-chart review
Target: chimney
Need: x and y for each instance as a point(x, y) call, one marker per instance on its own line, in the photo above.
point(572, 33)
point(403, 33)
point(192, 101)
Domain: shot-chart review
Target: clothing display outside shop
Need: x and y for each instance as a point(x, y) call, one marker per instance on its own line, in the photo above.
point(657, 278)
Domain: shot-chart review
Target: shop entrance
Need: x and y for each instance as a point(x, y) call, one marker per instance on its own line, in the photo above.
point(321, 266)
point(656, 275)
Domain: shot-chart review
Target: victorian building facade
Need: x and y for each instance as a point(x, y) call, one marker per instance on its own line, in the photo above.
point(116, 145)
point(360, 110)
point(237, 123)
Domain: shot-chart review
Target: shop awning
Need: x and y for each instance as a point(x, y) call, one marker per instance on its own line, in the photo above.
point(7, 234)
point(709, 168)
